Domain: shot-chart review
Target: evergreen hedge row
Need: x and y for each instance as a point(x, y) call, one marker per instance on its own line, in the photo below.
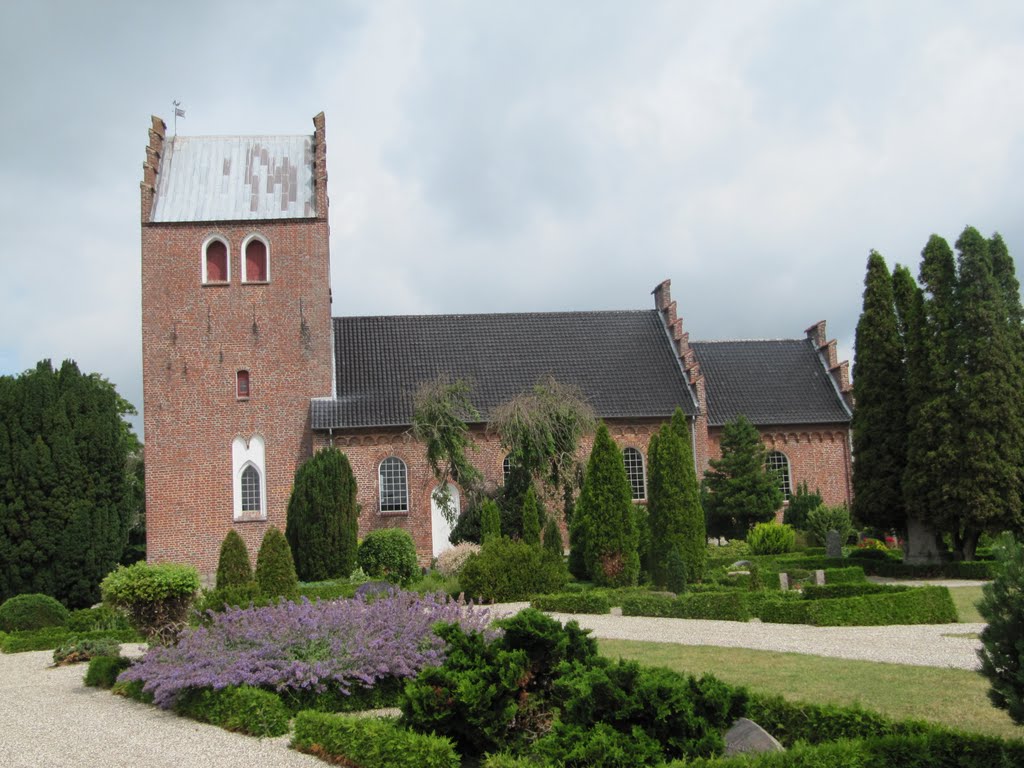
point(370, 742)
point(572, 602)
point(244, 709)
point(49, 638)
point(103, 670)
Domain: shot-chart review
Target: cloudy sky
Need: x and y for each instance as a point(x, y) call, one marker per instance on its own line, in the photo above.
point(522, 155)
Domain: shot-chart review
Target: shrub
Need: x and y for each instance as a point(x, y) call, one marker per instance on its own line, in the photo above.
point(850, 575)
point(323, 517)
point(800, 504)
point(572, 602)
point(507, 570)
point(675, 571)
point(771, 539)
point(156, 598)
point(99, 618)
point(244, 709)
point(450, 562)
point(870, 544)
point(76, 650)
point(920, 605)
point(304, 647)
point(553, 538)
point(49, 638)
point(370, 742)
point(532, 514)
point(823, 519)
point(335, 589)
point(1002, 654)
point(853, 589)
point(31, 611)
point(275, 569)
point(233, 568)
point(490, 521)
point(651, 605)
point(242, 596)
point(389, 553)
point(716, 606)
point(103, 670)
point(870, 553)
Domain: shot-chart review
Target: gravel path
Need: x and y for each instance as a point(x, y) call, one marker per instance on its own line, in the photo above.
point(927, 645)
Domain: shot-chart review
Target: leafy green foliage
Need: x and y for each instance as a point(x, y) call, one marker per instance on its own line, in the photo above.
point(771, 539)
point(275, 569)
point(99, 618)
point(676, 515)
point(31, 611)
point(490, 521)
point(605, 511)
point(572, 602)
point(532, 515)
point(323, 517)
point(880, 418)
point(823, 519)
point(389, 553)
point(739, 491)
point(156, 598)
point(48, 638)
point(553, 538)
point(242, 596)
point(676, 572)
point(800, 504)
point(370, 742)
point(242, 708)
point(66, 495)
point(77, 650)
point(233, 567)
point(507, 570)
point(1002, 655)
point(103, 670)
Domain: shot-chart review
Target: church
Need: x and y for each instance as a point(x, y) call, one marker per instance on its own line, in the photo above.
point(246, 372)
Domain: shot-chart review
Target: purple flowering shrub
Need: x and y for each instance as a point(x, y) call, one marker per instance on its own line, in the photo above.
point(306, 647)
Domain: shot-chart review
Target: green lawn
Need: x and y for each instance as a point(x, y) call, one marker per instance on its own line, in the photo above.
point(966, 599)
point(953, 697)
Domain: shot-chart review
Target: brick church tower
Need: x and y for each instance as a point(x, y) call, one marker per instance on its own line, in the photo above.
point(236, 332)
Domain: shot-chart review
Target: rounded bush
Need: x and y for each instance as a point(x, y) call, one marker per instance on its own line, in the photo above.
point(450, 561)
point(507, 570)
point(389, 553)
point(771, 539)
point(155, 597)
point(31, 611)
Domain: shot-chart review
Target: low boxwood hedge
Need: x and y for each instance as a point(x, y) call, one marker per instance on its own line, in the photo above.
point(370, 742)
point(851, 589)
point(919, 605)
point(572, 602)
point(103, 670)
point(242, 708)
point(49, 638)
point(851, 574)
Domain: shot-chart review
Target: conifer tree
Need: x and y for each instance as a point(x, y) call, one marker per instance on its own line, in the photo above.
point(553, 537)
point(233, 567)
point(879, 420)
point(275, 569)
point(800, 503)
point(673, 501)
point(490, 521)
point(739, 492)
point(606, 503)
point(531, 517)
point(323, 517)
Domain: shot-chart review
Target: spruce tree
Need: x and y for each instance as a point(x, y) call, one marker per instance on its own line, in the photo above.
point(739, 492)
point(673, 501)
point(233, 567)
point(323, 517)
point(275, 569)
point(606, 503)
point(879, 419)
point(531, 516)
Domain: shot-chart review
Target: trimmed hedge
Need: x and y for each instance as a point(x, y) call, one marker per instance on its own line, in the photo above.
point(101, 617)
point(31, 611)
point(370, 742)
point(852, 589)
point(49, 638)
point(243, 709)
point(975, 569)
point(386, 692)
point(572, 602)
point(852, 574)
point(724, 605)
point(919, 605)
point(103, 670)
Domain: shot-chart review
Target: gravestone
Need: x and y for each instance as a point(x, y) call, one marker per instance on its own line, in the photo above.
point(819, 578)
point(784, 581)
point(740, 565)
point(833, 544)
point(746, 736)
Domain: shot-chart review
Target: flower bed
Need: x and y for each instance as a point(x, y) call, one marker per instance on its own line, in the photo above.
point(304, 648)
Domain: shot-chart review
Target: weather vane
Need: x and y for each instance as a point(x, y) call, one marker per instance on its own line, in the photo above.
point(178, 112)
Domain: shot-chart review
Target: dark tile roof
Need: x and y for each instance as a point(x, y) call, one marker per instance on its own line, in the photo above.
point(769, 382)
point(623, 363)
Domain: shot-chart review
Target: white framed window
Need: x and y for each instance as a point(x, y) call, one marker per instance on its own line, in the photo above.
point(255, 259)
point(634, 462)
point(777, 463)
point(506, 468)
point(215, 260)
point(394, 485)
point(249, 478)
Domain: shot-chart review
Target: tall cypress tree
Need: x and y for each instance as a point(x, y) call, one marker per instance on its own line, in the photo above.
point(991, 419)
point(879, 419)
point(323, 517)
point(673, 502)
point(740, 492)
point(606, 503)
point(531, 516)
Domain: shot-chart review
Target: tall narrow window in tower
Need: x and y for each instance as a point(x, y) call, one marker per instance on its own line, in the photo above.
point(256, 264)
point(777, 463)
point(506, 468)
point(242, 385)
point(252, 499)
point(249, 478)
point(634, 462)
point(215, 261)
point(394, 485)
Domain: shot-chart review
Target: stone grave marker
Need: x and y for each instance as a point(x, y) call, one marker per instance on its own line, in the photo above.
point(747, 736)
point(819, 578)
point(784, 581)
point(833, 544)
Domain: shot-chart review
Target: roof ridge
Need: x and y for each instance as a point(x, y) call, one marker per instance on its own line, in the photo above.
point(735, 341)
point(545, 313)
